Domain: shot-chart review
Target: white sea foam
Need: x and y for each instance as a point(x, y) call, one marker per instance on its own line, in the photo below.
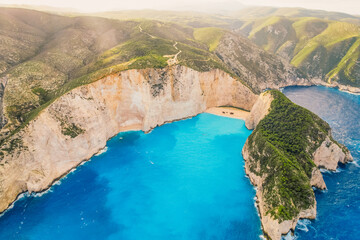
point(256, 206)
point(353, 93)
point(338, 170)
point(289, 236)
point(355, 163)
point(20, 196)
point(40, 194)
point(303, 224)
point(262, 237)
point(323, 170)
point(102, 151)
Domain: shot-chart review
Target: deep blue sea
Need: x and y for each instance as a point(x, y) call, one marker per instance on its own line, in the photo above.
point(338, 206)
point(184, 180)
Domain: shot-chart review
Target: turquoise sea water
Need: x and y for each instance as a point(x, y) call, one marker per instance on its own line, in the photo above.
point(338, 206)
point(184, 180)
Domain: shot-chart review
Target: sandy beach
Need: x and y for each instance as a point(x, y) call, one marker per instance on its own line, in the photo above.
point(230, 112)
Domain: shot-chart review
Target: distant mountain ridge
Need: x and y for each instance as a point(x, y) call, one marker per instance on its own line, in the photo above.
point(251, 13)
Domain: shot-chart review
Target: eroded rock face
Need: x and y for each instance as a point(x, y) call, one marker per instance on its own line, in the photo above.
point(317, 179)
point(272, 228)
point(275, 230)
point(79, 123)
point(259, 110)
point(329, 154)
point(256, 67)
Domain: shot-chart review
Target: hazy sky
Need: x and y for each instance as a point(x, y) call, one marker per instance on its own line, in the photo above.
point(349, 6)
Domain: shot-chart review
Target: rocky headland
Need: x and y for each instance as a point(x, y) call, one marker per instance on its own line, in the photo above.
point(282, 160)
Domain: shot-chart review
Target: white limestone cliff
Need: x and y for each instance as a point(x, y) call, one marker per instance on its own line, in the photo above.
point(329, 154)
point(259, 110)
point(139, 99)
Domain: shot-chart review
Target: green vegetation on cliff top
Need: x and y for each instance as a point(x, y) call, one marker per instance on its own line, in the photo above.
point(281, 150)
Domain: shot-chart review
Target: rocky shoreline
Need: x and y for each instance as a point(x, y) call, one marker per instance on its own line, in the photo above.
point(78, 124)
point(344, 88)
point(319, 82)
point(327, 156)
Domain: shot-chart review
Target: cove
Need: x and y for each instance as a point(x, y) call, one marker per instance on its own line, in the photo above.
point(184, 180)
point(338, 208)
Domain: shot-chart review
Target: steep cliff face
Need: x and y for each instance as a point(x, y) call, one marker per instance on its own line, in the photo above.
point(259, 110)
point(329, 154)
point(282, 158)
point(257, 68)
point(78, 124)
point(2, 90)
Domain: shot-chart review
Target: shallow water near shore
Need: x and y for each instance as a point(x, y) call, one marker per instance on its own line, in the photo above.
point(184, 180)
point(339, 206)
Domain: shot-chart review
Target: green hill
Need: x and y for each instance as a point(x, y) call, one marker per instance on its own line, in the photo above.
point(210, 36)
point(323, 49)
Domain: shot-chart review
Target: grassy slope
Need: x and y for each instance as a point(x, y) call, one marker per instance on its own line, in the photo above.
point(334, 33)
point(348, 66)
point(260, 24)
point(282, 144)
point(307, 28)
point(272, 33)
point(21, 40)
point(321, 48)
point(210, 36)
